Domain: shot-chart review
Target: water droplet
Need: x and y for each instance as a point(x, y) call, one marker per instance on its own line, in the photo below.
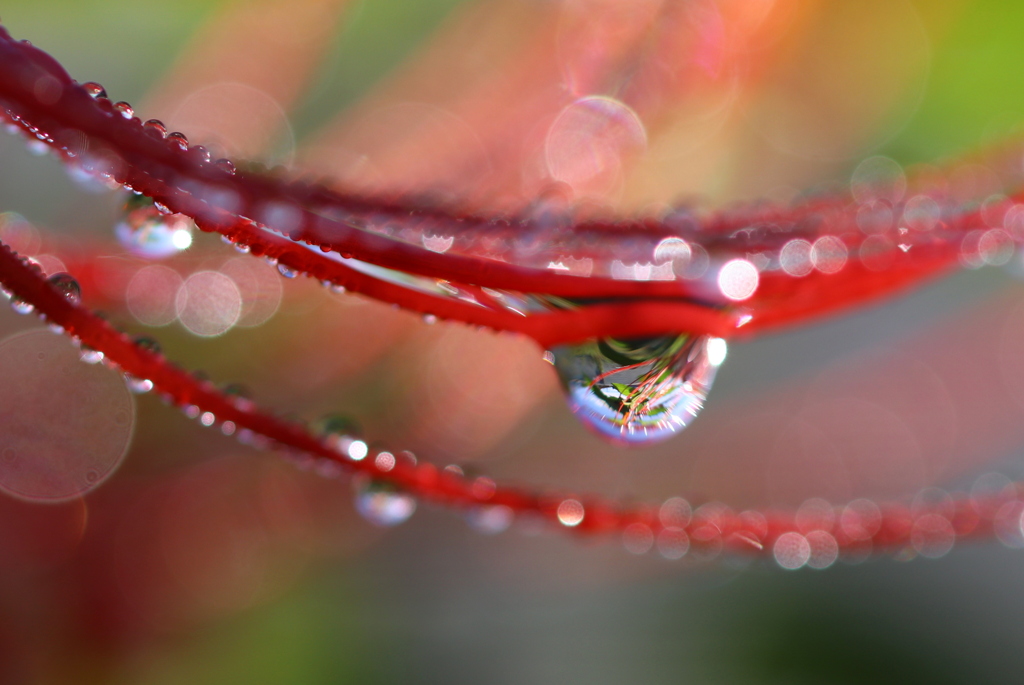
point(147, 232)
point(286, 271)
point(139, 386)
point(146, 343)
point(225, 165)
point(570, 513)
point(200, 153)
point(237, 390)
point(67, 286)
point(179, 139)
point(94, 90)
point(125, 109)
point(337, 424)
point(490, 520)
point(155, 126)
point(383, 504)
point(635, 392)
point(21, 306)
point(90, 356)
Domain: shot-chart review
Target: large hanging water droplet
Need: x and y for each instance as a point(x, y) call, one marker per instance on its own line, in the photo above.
point(67, 286)
point(147, 232)
point(382, 504)
point(636, 392)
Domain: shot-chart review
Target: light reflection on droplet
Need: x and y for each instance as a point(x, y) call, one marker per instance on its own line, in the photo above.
point(876, 252)
point(260, 288)
point(874, 217)
point(995, 247)
point(490, 520)
point(860, 519)
point(932, 536)
point(148, 233)
point(791, 551)
point(152, 294)
point(795, 257)
point(382, 504)
point(384, 461)
point(921, 213)
point(639, 392)
point(208, 304)
point(824, 549)
point(828, 254)
point(675, 512)
point(570, 513)
point(815, 514)
point(638, 538)
point(588, 141)
point(18, 234)
point(673, 543)
point(64, 426)
point(878, 178)
point(738, 279)
point(357, 450)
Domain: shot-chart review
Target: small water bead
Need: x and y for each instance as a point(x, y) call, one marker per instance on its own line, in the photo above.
point(237, 391)
point(225, 165)
point(139, 386)
point(146, 343)
point(89, 355)
point(21, 306)
point(382, 504)
point(66, 285)
point(94, 90)
point(148, 232)
point(337, 425)
point(200, 153)
point(636, 392)
point(673, 543)
point(155, 126)
point(179, 139)
point(638, 538)
point(287, 272)
point(125, 109)
point(791, 551)
point(490, 520)
point(570, 513)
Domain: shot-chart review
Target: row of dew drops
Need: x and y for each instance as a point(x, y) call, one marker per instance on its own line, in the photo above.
point(152, 231)
point(609, 407)
point(684, 531)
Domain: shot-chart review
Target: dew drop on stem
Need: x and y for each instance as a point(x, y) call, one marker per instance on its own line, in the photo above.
point(638, 392)
point(66, 285)
point(147, 232)
point(381, 503)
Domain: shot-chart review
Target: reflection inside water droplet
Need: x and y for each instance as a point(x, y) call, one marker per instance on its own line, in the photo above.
point(382, 504)
point(636, 392)
point(147, 232)
point(67, 286)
